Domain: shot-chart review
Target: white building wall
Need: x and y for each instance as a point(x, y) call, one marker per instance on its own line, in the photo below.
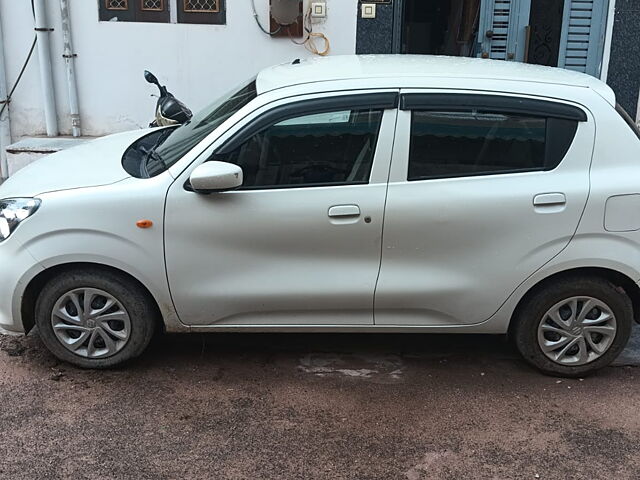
point(196, 62)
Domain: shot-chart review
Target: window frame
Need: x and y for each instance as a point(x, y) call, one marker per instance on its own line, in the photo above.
point(217, 17)
point(134, 11)
point(499, 103)
point(382, 100)
point(506, 104)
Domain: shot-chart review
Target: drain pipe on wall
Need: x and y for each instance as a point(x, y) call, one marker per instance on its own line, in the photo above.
point(44, 59)
point(69, 60)
point(5, 124)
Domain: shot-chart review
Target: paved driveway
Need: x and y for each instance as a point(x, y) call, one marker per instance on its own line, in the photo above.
point(315, 407)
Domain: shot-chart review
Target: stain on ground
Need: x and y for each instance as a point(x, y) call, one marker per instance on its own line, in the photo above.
point(316, 406)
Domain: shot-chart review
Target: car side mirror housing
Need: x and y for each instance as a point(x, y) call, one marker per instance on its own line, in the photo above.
point(215, 177)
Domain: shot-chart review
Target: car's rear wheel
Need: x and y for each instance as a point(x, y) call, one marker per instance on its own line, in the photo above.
point(574, 326)
point(95, 318)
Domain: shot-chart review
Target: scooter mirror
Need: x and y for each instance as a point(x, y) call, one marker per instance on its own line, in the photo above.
point(151, 78)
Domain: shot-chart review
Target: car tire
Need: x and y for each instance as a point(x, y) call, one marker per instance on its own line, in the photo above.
point(548, 320)
point(118, 328)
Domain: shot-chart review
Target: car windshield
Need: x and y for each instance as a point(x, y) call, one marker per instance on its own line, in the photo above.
point(174, 146)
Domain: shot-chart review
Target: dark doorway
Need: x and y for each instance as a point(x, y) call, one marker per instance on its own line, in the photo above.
point(545, 28)
point(440, 27)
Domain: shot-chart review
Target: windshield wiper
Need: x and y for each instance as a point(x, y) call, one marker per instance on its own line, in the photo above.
point(152, 155)
point(156, 157)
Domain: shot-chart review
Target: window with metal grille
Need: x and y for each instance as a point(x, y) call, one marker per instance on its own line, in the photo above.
point(134, 10)
point(203, 6)
point(201, 11)
point(117, 4)
point(152, 5)
point(188, 11)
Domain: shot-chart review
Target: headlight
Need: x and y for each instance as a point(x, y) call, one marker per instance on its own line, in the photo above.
point(13, 211)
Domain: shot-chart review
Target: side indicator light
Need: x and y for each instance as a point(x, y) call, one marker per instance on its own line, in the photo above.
point(144, 224)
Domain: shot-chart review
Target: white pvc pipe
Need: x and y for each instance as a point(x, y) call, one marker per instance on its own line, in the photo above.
point(5, 124)
point(69, 60)
point(46, 73)
point(608, 37)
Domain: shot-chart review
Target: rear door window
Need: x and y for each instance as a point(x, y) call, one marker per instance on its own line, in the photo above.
point(485, 140)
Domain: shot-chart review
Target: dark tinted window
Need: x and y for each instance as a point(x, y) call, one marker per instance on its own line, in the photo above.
point(334, 148)
point(482, 142)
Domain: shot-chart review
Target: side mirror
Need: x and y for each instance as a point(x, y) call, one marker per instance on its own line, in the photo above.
point(216, 177)
point(151, 78)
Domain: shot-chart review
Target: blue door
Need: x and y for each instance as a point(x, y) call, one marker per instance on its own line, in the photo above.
point(504, 31)
point(583, 31)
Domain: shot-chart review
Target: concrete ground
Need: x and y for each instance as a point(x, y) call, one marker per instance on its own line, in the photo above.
point(317, 406)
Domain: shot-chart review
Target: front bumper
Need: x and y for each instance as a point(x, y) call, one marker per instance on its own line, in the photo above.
point(17, 268)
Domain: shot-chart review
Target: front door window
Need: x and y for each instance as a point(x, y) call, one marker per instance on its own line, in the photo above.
point(328, 148)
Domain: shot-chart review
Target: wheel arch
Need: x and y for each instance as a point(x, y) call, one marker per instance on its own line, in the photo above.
point(35, 285)
point(620, 280)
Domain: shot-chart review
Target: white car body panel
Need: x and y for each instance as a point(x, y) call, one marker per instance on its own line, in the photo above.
point(442, 237)
point(104, 232)
point(241, 268)
point(77, 167)
point(279, 258)
point(426, 69)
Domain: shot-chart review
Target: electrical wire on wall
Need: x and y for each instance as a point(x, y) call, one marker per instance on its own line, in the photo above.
point(255, 16)
point(310, 37)
point(24, 67)
point(15, 85)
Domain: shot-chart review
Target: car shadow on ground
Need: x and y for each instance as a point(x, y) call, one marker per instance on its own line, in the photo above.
point(441, 345)
point(422, 345)
point(344, 348)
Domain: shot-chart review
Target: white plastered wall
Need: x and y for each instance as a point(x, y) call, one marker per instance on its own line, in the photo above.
point(196, 62)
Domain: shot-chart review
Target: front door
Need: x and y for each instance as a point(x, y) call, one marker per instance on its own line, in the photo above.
point(299, 243)
point(484, 190)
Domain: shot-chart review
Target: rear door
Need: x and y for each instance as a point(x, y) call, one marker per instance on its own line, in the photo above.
point(484, 189)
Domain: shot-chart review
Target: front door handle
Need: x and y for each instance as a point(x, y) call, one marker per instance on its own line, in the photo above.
point(342, 211)
point(549, 199)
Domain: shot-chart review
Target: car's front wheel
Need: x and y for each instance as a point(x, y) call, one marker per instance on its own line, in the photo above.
point(574, 326)
point(95, 318)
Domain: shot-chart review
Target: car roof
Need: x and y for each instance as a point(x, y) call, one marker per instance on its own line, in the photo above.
point(394, 67)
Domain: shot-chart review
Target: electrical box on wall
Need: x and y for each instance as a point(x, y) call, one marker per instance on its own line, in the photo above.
point(318, 10)
point(368, 10)
point(286, 18)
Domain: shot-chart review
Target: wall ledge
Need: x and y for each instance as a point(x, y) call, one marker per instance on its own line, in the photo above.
point(29, 149)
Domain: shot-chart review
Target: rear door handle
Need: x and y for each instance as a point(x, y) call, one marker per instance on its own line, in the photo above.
point(342, 211)
point(549, 199)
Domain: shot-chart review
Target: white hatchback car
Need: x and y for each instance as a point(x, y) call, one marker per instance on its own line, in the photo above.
point(368, 194)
